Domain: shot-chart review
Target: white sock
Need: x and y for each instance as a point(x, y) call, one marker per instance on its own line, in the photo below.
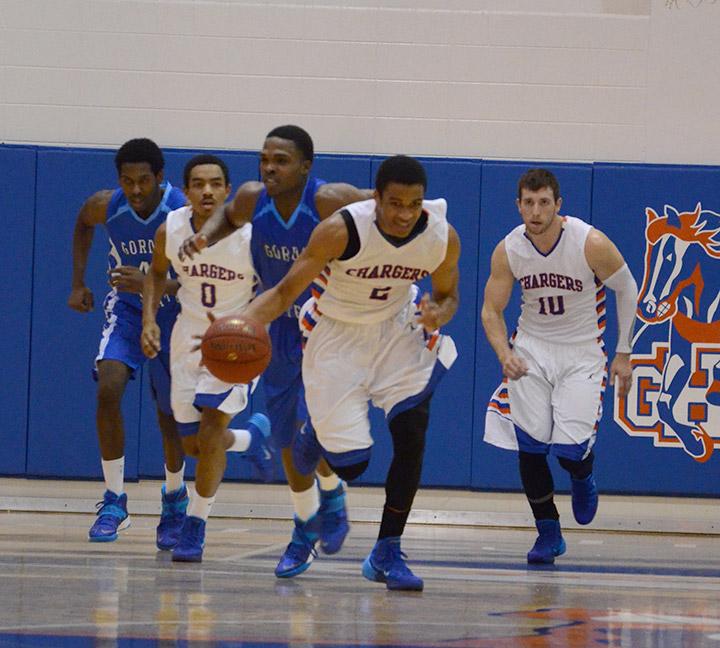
point(306, 503)
point(114, 473)
point(329, 483)
point(200, 506)
point(174, 481)
point(241, 442)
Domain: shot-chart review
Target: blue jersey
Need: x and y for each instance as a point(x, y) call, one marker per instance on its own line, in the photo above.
point(132, 239)
point(275, 244)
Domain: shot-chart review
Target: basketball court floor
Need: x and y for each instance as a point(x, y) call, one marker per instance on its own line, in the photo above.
point(646, 574)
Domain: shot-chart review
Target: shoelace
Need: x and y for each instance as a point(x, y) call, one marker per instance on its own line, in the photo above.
point(397, 559)
point(109, 508)
point(193, 537)
point(304, 543)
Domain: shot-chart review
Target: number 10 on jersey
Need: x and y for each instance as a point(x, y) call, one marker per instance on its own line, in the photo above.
point(552, 305)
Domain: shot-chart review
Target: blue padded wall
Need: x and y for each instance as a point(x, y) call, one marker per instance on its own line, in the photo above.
point(493, 468)
point(62, 440)
point(651, 459)
point(17, 205)
point(52, 432)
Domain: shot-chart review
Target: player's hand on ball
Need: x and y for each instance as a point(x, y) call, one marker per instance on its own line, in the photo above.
point(150, 339)
point(429, 317)
point(81, 299)
point(514, 366)
point(126, 279)
point(192, 245)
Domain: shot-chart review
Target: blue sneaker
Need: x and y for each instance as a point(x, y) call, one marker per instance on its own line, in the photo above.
point(112, 516)
point(306, 449)
point(260, 452)
point(192, 540)
point(174, 505)
point(334, 519)
point(301, 550)
point(386, 564)
point(584, 499)
point(549, 542)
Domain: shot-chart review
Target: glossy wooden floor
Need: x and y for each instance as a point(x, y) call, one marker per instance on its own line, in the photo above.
point(616, 589)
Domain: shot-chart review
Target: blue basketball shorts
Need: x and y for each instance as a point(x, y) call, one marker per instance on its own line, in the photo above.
point(120, 340)
point(282, 381)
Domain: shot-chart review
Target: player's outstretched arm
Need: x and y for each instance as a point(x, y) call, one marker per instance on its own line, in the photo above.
point(438, 309)
point(154, 288)
point(92, 213)
point(328, 241)
point(224, 221)
point(609, 266)
point(333, 196)
point(497, 295)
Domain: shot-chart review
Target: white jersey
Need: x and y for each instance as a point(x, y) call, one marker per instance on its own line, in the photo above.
point(562, 300)
point(376, 283)
point(221, 278)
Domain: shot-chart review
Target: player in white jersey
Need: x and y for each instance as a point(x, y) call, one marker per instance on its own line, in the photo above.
point(367, 343)
point(555, 368)
point(221, 281)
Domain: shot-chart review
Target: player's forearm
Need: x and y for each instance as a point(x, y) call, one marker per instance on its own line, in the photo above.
point(218, 226)
point(447, 307)
point(626, 293)
point(82, 240)
point(270, 305)
point(496, 332)
point(154, 287)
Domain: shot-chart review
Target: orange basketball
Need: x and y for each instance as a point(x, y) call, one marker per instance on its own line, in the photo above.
point(236, 349)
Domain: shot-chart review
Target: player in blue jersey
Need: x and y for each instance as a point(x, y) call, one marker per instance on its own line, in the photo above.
point(130, 214)
point(284, 209)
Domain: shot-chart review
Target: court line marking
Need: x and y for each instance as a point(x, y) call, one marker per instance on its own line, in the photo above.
point(252, 553)
point(327, 570)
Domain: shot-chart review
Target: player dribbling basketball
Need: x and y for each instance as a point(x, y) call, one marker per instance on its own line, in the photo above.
point(222, 281)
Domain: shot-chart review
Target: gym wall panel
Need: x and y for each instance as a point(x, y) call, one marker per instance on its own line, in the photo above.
point(493, 468)
point(449, 444)
point(645, 446)
point(62, 440)
point(17, 205)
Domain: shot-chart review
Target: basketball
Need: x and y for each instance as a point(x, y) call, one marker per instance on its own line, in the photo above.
point(236, 349)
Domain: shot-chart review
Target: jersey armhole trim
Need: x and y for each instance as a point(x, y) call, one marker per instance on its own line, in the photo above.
point(353, 244)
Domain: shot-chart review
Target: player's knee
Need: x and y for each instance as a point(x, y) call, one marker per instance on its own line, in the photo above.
point(350, 472)
point(167, 424)
point(348, 465)
point(109, 394)
point(578, 469)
